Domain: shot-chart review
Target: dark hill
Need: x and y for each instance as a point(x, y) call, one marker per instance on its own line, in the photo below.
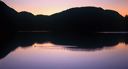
point(7, 19)
point(88, 19)
point(26, 21)
point(78, 20)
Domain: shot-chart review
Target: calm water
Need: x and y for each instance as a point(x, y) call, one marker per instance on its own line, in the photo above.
point(39, 51)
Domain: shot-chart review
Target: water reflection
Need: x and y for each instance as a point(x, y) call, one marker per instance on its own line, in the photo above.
point(51, 56)
point(72, 42)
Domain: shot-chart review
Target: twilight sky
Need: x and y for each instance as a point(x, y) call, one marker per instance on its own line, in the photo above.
point(48, 7)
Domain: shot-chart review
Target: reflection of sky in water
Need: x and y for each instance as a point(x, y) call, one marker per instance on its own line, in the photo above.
point(51, 56)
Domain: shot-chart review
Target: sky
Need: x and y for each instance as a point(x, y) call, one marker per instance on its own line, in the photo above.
point(49, 7)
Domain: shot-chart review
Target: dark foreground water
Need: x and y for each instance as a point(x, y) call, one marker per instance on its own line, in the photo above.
point(42, 51)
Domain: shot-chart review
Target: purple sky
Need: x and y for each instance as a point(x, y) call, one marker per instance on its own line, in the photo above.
point(48, 7)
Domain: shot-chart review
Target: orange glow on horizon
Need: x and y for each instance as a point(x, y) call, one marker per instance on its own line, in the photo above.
point(53, 10)
point(47, 7)
point(121, 45)
point(48, 44)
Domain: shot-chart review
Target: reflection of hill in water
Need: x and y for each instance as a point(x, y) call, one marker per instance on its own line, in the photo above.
point(89, 42)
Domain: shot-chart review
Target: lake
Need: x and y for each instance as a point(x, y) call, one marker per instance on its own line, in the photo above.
point(60, 51)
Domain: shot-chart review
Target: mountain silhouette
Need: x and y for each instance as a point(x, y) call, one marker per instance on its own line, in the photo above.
point(26, 21)
point(126, 22)
point(87, 19)
point(79, 20)
point(7, 20)
point(126, 19)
